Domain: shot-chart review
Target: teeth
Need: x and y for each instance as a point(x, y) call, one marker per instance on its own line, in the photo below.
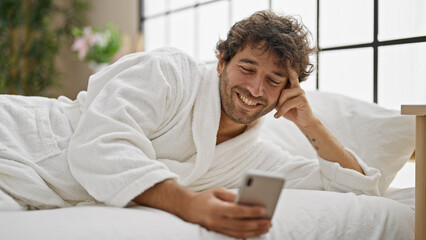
point(246, 101)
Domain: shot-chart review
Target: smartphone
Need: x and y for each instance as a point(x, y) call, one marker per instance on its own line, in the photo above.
point(261, 188)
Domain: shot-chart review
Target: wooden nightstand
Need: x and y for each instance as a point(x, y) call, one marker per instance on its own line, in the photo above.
point(420, 112)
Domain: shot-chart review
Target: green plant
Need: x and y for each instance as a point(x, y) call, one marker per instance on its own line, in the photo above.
point(31, 33)
point(93, 45)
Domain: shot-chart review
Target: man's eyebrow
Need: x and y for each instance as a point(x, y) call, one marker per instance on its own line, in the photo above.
point(249, 61)
point(246, 60)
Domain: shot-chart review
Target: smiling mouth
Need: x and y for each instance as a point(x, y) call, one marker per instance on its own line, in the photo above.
point(246, 101)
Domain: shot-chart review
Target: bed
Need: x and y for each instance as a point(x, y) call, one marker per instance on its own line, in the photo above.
point(382, 137)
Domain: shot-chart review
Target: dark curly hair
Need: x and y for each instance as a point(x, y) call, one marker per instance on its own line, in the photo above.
point(285, 35)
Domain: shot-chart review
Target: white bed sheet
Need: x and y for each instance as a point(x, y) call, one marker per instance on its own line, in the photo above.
point(301, 214)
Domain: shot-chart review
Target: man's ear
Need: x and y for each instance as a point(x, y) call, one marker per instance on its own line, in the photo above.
point(220, 64)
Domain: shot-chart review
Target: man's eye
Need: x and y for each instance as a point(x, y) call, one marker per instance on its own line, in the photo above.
point(247, 70)
point(273, 82)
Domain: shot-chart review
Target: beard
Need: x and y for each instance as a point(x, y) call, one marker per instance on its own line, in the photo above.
point(233, 109)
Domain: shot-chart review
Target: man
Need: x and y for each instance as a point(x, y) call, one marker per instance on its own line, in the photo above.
point(165, 131)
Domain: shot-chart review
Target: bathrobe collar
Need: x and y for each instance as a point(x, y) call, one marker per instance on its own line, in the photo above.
point(205, 124)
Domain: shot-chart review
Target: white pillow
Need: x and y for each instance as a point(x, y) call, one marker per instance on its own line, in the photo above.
point(383, 138)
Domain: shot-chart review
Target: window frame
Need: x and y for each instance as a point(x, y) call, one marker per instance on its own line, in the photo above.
point(376, 44)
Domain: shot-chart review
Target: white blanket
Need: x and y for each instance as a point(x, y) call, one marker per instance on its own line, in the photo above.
point(301, 214)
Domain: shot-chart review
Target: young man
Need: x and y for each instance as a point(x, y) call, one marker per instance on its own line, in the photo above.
point(165, 131)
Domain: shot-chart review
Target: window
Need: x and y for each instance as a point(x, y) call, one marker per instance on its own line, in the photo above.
point(354, 75)
point(211, 28)
point(395, 31)
point(373, 50)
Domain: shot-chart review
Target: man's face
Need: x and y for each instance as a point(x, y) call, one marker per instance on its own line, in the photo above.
point(250, 84)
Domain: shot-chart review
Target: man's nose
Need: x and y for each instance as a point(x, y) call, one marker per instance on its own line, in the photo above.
point(256, 86)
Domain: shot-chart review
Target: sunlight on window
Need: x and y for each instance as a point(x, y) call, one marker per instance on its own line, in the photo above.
point(181, 29)
point(244, 8)
point(152, 7)
point(346, 22)
point(306, 10)
point(402, 75)
point(348, 72)
point(176, 4)
point(401, 19)
point(203, 1)
point(213, 24)
point(156, 27)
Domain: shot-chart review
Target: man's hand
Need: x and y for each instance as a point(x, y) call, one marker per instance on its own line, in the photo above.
point(294, 106)
point(293, 103)
point(213, 209)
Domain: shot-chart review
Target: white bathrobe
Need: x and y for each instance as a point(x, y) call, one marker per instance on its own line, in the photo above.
point(154, 116)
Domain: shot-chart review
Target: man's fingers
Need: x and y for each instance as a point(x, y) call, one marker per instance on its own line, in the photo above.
point(294, 91)
point(288, 105)
point(224, 216)
point(241, 211)
point(224, 194)
point(292, 75)
point(289, 94)
point(294, 78)
point(227, 208)
point(243, 234)
point(244, 228)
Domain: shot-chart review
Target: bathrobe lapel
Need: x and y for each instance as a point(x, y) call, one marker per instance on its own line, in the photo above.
point(205, 123)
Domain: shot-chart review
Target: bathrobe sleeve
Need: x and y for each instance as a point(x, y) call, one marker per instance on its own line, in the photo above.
point(320, 174)
point(110, 153)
